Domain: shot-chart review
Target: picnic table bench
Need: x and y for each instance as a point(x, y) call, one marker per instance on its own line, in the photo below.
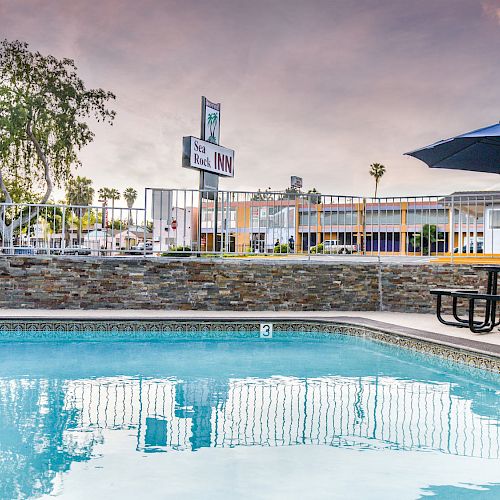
point(490, 299)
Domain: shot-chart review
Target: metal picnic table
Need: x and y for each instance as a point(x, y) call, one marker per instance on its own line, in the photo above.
point(490, 298)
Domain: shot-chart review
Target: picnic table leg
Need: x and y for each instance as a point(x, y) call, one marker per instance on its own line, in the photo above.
point(475, 326)
point(494, 306)
point(463, 323)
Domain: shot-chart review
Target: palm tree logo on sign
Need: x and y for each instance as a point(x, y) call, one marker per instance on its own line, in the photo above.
point(212, 120)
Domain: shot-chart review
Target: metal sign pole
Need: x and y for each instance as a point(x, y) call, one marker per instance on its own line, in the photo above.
point(202, 179)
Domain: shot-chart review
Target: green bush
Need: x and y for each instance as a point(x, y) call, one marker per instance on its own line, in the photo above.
point(178, 251)
point(283, 248)
point(317, 248)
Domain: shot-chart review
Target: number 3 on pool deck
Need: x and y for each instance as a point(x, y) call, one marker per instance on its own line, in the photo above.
point(266, 330)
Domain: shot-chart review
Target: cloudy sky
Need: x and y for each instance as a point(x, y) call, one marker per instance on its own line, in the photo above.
point(316, 88)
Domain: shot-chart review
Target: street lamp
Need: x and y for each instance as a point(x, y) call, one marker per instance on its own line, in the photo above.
point(104, 202)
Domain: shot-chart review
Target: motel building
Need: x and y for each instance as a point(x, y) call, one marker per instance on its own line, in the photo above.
point(391, 226)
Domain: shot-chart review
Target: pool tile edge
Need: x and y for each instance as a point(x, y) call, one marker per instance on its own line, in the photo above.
point(471, 353)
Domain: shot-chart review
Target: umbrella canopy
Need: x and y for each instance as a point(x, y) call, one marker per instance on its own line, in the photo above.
point(478, 151)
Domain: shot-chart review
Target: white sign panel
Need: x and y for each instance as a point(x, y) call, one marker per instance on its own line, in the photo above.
point(204, 155)
point(266, 330)
point(212, 121)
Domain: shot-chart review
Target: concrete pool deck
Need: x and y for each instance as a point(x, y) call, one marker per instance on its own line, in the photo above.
point(418, 326)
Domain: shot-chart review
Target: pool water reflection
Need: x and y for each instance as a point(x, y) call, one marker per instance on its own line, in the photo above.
point(74, 416)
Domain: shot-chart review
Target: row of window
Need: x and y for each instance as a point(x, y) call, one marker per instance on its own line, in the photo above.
point(284, 217)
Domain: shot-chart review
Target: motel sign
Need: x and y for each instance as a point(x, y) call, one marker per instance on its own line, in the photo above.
point(206, 156)
point(212, 160)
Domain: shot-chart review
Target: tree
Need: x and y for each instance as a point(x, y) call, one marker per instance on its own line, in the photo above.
point(130, 195)
point(423, 241)
point(79, 191)
point(377, 170)
point(314, 196)
point(262, 195)
point(114, 195)
point(44, 106)
point(290, 193)
point(106, 194)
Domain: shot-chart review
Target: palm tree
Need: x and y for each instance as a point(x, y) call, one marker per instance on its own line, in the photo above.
point(80, 192)
point(113, 195)
point(377, 170)
point(130, 195)
point(106, 194)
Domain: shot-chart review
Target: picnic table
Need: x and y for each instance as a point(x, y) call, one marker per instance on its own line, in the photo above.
point(490, 299)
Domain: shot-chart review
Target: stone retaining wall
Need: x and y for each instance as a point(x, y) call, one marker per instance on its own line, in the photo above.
point(205, 284)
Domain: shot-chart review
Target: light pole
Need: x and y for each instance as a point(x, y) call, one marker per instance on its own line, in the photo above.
point(104, 202)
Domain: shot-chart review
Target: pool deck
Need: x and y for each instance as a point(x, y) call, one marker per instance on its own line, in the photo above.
point(419, 326)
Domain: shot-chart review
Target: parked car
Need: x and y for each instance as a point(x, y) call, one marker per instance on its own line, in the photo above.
point(480, 247)
point(75, 250)
point(24, 250)
point(334, 246)
point(140, 247)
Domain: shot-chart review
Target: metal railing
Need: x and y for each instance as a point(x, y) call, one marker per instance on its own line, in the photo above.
point(56, 229)
point(230, 223)
point(175, 222)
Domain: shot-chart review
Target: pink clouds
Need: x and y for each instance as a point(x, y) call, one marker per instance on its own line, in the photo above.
point(492, 9)
point(322, 86)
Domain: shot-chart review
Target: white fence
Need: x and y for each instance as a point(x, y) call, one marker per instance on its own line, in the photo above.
point(251, 223)
point(72, 230)
point(191, 222)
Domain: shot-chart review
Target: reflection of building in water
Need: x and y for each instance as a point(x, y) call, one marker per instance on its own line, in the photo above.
point(288, 411)
point(45, 425)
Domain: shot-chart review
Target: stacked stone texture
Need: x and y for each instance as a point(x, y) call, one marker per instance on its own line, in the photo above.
point(240, 285)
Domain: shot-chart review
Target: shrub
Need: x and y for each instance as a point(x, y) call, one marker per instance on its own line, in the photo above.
point(317, 248)
point(283, 248)
point(178, 251)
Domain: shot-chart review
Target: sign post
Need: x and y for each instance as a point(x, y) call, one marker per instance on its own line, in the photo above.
point(210, 158)
point(210, 130)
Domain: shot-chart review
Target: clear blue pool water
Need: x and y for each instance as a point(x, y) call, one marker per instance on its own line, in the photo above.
point(342, 417)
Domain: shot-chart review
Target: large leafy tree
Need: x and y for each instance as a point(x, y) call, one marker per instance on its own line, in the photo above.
point(44, 109)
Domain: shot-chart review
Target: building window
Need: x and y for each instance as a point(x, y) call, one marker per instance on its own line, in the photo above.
point(494, 219)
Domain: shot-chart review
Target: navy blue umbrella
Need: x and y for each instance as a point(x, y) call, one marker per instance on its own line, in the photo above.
point(478, 150)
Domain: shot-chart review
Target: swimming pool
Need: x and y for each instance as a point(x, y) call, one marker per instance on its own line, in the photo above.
point(303, 416)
